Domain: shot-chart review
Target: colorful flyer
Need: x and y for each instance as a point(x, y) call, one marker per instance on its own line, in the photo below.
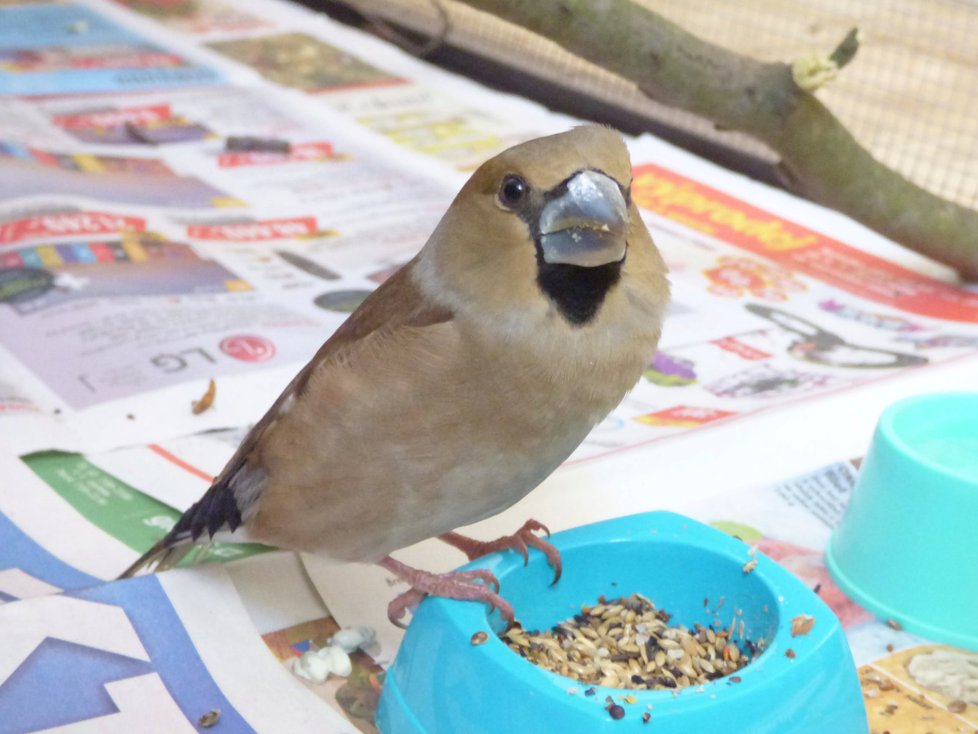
point(55, 48)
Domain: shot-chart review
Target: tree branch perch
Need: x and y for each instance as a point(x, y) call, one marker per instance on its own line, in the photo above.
point(821, 160)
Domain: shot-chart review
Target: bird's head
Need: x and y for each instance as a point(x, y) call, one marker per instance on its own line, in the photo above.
point(581, 221)
point(544, 229)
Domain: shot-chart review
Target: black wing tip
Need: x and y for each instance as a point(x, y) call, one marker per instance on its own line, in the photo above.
point(215, 510)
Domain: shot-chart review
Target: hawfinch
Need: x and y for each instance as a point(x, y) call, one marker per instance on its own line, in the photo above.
point(462, 382)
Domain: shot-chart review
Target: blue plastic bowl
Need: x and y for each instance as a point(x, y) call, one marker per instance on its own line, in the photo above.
point(440, 683)
point(907, 547)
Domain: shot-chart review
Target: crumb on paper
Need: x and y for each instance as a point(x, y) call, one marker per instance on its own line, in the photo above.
point(209, 719)
point(206, 401)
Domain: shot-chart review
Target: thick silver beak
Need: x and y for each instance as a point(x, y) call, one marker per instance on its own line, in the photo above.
point(587, 224)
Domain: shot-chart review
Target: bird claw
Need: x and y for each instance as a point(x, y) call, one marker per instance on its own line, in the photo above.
point(400, 605)
point(535, 525)
point(479, 574)
point(552, 554)
point(475, 585)
point(520, 541)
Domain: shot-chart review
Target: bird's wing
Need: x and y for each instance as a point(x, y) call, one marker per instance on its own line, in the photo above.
point(396, 306)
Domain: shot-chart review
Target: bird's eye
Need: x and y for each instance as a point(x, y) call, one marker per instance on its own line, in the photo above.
point(513, 191)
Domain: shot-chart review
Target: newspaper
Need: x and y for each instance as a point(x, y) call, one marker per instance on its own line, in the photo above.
point(145, 256)
point(148, 655)
point(141, 258)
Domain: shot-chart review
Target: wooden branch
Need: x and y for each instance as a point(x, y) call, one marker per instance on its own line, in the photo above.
point(820, 159)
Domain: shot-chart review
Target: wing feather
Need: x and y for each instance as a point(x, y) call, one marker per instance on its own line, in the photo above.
point(395, 306)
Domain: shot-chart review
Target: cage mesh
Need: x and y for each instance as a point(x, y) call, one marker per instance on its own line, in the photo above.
point(910, 96)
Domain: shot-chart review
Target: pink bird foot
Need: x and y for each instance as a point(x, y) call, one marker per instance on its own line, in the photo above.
point(476, 585)
point(518, 542)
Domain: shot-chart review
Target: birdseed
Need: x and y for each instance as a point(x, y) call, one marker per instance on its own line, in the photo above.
point(479, 637)
point(802, 625)
point(629, 643)
point(209, 719)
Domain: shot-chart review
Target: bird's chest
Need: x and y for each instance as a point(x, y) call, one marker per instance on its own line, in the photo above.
point(532, 397)
point(515, 423)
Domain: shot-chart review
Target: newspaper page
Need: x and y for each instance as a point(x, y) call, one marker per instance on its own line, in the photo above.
point(68, 528)
point(148, 655)
point(144, 259)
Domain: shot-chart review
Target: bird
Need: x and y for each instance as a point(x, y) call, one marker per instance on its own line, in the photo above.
point(461, 382)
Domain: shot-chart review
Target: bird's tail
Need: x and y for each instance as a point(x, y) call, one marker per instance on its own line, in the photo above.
point(193, 532)
point(162, 556)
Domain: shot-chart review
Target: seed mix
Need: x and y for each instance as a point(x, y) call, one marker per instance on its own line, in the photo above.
point(628, 643)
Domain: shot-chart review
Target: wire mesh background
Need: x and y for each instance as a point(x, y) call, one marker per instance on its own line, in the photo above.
point(910, 96)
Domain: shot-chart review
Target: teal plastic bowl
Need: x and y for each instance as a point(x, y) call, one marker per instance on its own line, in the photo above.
point(440, 683)
point(907, 547)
